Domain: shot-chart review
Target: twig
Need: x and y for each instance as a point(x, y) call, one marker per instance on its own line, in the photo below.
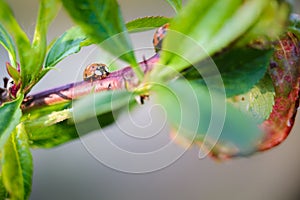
point(118, 80)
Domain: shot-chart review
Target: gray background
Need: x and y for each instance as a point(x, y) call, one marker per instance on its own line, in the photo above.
point(70, 172)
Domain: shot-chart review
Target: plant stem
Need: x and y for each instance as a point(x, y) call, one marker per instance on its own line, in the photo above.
point(122, 79)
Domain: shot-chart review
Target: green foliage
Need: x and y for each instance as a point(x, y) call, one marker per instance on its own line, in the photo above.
point(47, 12)
point(103, 103)
point(31, 55)
point(240, 68)
point(59, 124)
point(200, 111)
point(195, 114)
point(48, 127)
point(47, 136)
point(270, 24)
point(176, 4)
point(202, 35)
point(67, 44)
point(7, 42)
point(9, 23)
point(13, 73)
point(95, 19)
point(10, 114)
point(261, 104)
point(146, 23)
point(42, 136)
point(17, 165)
point(259, 101)
point(3, 192)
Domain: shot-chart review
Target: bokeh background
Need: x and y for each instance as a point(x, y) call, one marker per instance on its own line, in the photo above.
point(71, 172)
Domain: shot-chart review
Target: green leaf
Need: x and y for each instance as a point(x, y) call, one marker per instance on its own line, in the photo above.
point(7, 42)
point(10, 114)
point(17, 165)
point(240, 68)
point(8, 20)
point(100, 103)
point(102, 21)
point(23, 43)
point(3, 192)
point(204, 116)
point(176, 4)
point(42, 136)
point(271, 24)
point(146, 23)
point(13, 73)
point(47, 12)
point(68, 43)
point(58, 124)
point(32, 61)
point(259, 101)
point(203, 28)
point(48, 126)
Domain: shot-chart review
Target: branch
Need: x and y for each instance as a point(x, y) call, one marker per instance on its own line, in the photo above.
point(118, 80)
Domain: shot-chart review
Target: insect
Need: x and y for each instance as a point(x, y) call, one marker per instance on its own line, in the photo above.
point(95, 71)
point(159, 36)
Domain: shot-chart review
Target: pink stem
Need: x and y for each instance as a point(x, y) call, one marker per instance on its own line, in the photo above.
point(117, 80)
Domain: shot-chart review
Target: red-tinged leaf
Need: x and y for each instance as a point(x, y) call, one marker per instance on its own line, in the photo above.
point(285, 73)
point(13, 72)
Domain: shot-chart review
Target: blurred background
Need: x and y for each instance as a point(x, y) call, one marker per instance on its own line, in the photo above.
point(70, 171)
